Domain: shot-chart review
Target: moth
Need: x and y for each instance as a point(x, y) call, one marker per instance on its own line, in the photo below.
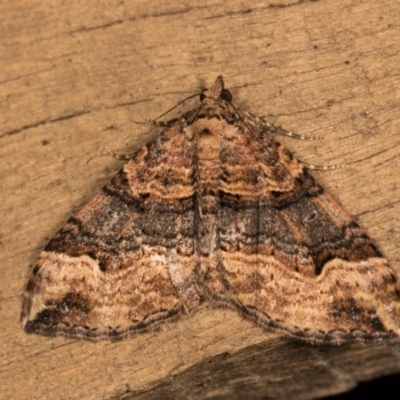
point(213, 209)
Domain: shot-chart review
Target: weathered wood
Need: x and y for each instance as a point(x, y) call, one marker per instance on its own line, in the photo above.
point(75, 78)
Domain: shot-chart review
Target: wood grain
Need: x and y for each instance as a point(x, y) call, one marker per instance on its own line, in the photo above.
point(74, 78)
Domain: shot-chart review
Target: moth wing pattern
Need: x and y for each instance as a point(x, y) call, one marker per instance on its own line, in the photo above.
point(214, 209)
point(292, 259)
point(121, 264)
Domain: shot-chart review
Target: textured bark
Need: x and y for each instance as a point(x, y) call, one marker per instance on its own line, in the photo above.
point(75, 77)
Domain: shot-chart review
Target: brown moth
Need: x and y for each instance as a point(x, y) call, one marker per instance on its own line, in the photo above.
point(213, 209)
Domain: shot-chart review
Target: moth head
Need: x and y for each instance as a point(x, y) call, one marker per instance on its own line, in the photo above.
point(217, 91)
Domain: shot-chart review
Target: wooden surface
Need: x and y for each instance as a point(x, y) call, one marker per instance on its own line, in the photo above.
point(74, 78)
